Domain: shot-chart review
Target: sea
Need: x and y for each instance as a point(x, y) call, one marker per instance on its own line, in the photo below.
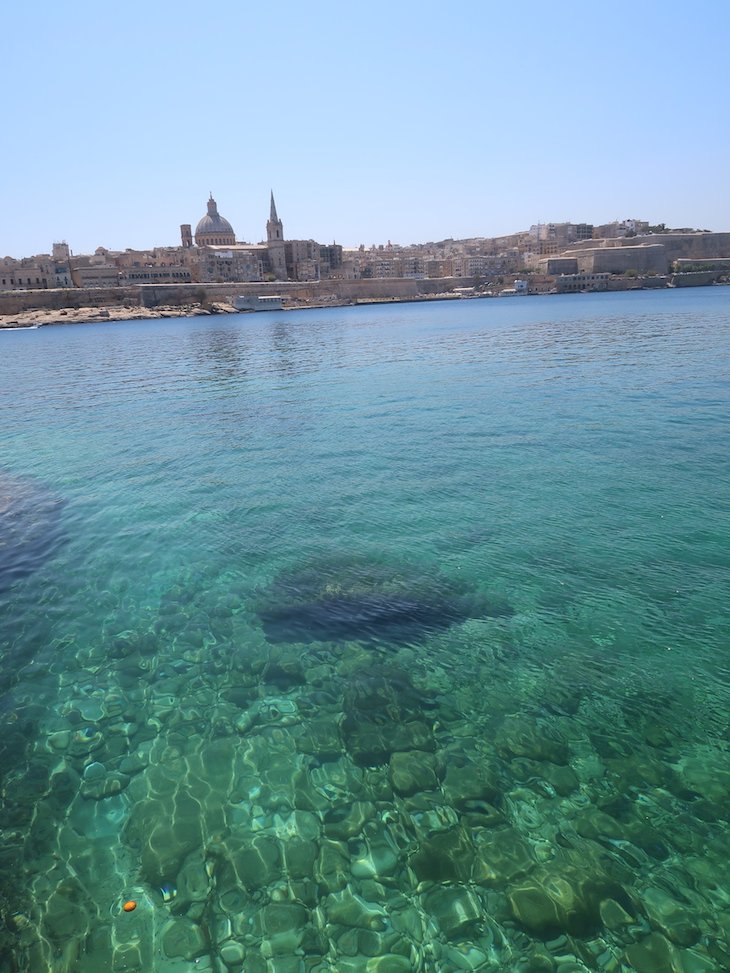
point(377, 639)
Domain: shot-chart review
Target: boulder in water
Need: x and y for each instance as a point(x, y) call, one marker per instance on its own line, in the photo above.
point(343, 599)
point(30, 527)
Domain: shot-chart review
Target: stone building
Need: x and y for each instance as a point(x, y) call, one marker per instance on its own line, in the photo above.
point(302, 259)
point(44, 271)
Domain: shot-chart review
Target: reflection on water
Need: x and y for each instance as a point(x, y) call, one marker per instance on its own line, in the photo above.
point(382, 639)
point(222, 351)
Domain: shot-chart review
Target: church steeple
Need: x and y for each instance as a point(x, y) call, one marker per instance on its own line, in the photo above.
point(275, 243)
point(274, 226)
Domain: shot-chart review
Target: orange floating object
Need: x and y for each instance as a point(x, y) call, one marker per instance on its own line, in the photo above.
point(130, 906)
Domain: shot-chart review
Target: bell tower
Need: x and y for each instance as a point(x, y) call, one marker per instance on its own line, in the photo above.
point(275, 243)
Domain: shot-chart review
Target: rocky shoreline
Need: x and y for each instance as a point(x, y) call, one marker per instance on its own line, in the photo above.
point(95, 315)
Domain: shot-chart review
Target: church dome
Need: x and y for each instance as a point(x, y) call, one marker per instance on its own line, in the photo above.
point(214, 229)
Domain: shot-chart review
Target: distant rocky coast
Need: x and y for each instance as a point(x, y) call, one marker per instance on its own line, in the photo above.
point(94, 315)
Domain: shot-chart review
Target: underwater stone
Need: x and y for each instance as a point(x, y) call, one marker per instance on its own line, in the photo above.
point(333, 866)
point(337, 779)
point(349, 820)
point(184, 939)
point(533, 908)
point(412, 771)
point(650, 840)
point(85, 741)
point(258, 862)
point(109, 785)
point(501, 857)
point(444, 857)
point(520, 737)
point(353, 599)
point(298, 824)
point(133, 763)
point(64, 919)
point(284, 672)
point(306, 796)
point(233, 900)
point(277, 918)
point(321, 738)
point(127, 958)
point(595, 824)
point(695, 962)
point(94, 771)
point(193, 885)
point(465, 957)
point(613, 915)
point(59, 740)
point(369, 744)
point(429, 818)
point(563, 779)
point(164, 831)
point(708, 775)
point(299, 857)
point(278, 964)
point(345, 908)
point(469, 782)
point(480, 814)
point(654, 954)
point(669, 916)
point(232, 953)
point(564, 897)
point(376, 858)
point(30, 527)
point(383, 714)
point(389, 963)
point(538, 961)
point(456, 910)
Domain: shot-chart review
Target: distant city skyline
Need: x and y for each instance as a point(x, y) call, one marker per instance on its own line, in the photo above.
point(391, 122)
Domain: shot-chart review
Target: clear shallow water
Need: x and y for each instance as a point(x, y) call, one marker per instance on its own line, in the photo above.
point(390, 636)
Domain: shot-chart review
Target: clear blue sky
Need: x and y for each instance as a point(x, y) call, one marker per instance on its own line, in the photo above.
point(379, 121)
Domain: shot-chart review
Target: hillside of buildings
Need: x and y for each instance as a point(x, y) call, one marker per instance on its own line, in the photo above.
point(210, 264)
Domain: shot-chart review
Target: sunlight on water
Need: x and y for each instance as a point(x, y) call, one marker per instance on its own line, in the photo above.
point(373, 639)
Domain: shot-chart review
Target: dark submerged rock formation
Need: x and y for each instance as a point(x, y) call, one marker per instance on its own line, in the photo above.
point(357, 599)
point(30, 527)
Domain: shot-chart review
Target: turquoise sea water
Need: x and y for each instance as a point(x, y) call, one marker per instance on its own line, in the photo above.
point(368, 639)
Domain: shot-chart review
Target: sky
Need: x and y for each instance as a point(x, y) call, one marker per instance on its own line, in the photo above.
point(401, 121)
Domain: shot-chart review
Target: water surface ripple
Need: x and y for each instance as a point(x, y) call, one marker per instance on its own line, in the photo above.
point(370, 639)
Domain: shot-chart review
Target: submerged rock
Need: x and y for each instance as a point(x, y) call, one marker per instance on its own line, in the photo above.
point(455, 908)
point(30, 527)
point(384, 714)
point(359, 599)
point(653, 955)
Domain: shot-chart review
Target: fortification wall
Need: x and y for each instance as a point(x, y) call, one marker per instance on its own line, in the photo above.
point(617, 260)
point(176, 295)
point(310, 291)
point(15, 302)
point(690, 246)
point(695, 280)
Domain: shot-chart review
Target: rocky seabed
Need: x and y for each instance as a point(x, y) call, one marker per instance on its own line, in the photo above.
point(350, 808)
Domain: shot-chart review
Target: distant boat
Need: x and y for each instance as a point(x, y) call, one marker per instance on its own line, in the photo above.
point(258, 302)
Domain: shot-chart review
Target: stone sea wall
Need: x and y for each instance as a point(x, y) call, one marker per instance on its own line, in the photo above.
point(16, 302)
point(154, 295)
